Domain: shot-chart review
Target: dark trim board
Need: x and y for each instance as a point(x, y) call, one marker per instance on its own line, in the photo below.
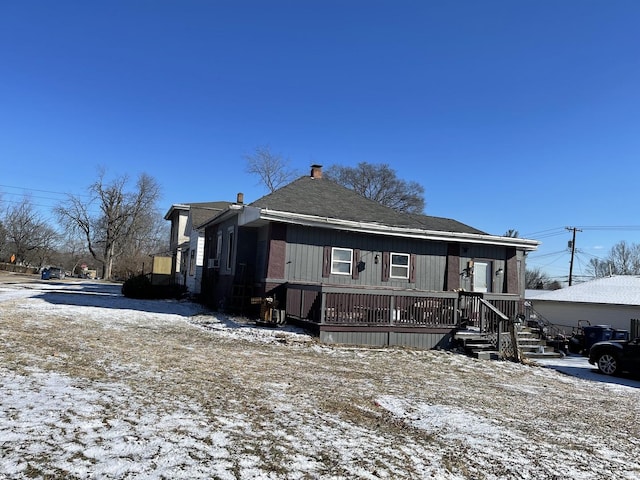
point(385, 328)
point(422, 338)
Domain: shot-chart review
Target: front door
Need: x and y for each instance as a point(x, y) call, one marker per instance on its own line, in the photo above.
point(481, 277)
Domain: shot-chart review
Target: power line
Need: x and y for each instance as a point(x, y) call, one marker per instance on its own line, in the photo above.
point(546, 265)
point(581, 252)
point(611, 227)
point(553, 232)
point(48, 208)
point(42, 191)
point(27, 196)
point(536, 257)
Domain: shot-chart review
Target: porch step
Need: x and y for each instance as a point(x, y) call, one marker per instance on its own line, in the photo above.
point(543, 352)
point(534, 347)
point(486, 355)
point(478, 345)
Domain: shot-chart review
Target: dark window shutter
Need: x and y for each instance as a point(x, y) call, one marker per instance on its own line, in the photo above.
point(355, 271)
point(326, 262)
point(386, 266)
point(412, 268)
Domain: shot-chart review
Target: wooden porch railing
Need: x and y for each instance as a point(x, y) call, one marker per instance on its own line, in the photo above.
point(332, 305)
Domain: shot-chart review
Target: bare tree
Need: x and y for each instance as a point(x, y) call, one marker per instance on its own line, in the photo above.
point(29, 236)
point(381, 184)
point(151, 237)
point(624, 259)
point(535, 279)
point(3, 241)
point(273, 169)
point(120, 218)
point(3, 236)
point(73, 253)
point(598, 268)
point(512, 233)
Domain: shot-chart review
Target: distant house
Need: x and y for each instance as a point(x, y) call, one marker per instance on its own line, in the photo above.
point(604, 301)
point(187, 241)
point(357, 271)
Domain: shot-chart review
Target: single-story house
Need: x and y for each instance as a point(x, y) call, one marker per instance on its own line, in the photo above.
point(187, 241)
point(357, 271)
point(611, 301)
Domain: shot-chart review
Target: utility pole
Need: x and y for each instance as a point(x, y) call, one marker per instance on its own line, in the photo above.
point(572, 244)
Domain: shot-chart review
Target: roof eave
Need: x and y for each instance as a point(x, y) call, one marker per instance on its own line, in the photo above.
point(175, 206)
point(253, 214)
point(225, 214)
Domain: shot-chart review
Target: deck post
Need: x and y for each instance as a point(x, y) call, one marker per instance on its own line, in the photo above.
point(456, 311)
point(323, 306)
point(392, 309)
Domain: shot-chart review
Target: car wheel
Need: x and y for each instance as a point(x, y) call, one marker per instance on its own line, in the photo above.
point(608, 364)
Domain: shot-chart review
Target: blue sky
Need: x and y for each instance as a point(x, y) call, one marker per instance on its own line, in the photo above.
point(511, 114)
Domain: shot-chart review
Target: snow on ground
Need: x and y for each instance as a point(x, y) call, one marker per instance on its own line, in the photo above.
point(94, 385)
point(50, 415)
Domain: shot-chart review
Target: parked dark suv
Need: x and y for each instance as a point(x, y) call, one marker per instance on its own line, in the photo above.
point(614, 357)
point(53, 272)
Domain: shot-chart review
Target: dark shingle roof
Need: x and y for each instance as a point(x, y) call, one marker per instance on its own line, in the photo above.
point(325, 198)
point(203, 212)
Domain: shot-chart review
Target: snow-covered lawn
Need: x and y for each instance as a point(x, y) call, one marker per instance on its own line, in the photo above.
point(94, 385)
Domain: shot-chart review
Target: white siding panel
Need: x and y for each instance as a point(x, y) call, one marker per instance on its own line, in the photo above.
point(567, 314)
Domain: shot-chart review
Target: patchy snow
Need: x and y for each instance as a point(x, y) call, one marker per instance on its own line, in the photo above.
point(219, 398)
point(45, 414)
point(578, 366)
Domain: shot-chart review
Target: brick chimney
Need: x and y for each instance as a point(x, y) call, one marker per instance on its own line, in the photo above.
point(316, 171)
point(240, 198)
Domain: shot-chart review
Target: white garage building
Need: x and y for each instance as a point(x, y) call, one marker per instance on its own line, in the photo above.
point(613, 301)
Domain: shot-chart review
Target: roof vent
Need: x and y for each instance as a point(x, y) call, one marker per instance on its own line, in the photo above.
point(316, 171)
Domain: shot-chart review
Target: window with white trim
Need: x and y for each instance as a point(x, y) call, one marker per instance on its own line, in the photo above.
point(399, 265)
point(192, 263)
point(218, 245)
point(341, 261)
point(230, 236)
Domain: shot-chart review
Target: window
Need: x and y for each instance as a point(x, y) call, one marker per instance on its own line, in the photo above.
point(399, 265)
point(215, 251)
point(341, 261)
point(218, 247)
point(192, 265)
point(230, 236)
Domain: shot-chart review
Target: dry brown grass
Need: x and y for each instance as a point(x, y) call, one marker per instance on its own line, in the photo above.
point(295, 388)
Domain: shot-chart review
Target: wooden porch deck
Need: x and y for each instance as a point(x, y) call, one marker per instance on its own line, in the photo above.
point(383, 316)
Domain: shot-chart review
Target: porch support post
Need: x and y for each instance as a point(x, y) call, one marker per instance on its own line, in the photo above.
point(512, 271)
point(452, 272)
point(323, 306)
point(456, 311)
point(277, 251)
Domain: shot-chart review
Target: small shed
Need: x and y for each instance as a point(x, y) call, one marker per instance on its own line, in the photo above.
point(161, 270)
